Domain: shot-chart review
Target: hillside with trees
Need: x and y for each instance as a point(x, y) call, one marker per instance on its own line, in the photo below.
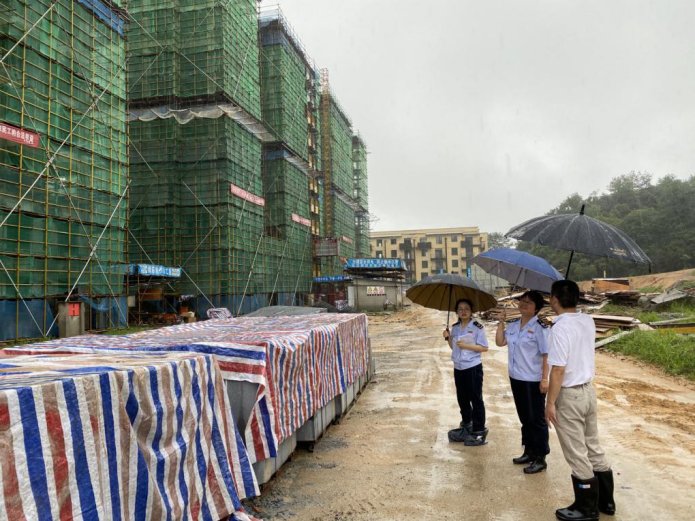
point(659, 216)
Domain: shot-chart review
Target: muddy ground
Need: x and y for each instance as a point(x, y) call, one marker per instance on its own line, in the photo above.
point(390, 459)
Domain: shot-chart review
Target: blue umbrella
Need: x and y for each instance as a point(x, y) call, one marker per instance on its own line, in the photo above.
point(519, 268)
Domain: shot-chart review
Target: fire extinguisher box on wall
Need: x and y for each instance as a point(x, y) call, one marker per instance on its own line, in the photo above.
point(70, 319)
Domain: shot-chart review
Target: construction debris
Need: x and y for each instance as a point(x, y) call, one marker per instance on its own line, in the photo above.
point(670, 296)
point(610, 339)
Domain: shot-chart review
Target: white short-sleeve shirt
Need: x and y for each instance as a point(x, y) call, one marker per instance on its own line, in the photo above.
point(571, 345)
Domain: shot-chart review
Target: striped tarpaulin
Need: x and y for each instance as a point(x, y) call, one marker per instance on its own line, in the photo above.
point(311, 359)
point(118, 436)
point(300, 362)
point(237, 362)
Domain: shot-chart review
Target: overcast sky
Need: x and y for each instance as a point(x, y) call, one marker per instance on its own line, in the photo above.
point(487, 113)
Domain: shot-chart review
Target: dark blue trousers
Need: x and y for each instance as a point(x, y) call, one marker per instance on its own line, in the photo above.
point(530, 406)
point(469, 393)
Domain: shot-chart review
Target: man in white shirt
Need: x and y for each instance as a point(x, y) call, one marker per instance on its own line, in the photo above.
point(571, 406)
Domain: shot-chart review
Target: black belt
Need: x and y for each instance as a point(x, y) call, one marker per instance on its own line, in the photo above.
point(578, 385)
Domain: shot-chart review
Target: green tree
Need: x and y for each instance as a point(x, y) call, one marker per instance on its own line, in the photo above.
point(498, 240)
point(659, 217)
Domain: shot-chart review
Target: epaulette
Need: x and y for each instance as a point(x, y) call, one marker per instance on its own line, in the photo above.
point(477, 324)
point(545, 323)
point(514, 320)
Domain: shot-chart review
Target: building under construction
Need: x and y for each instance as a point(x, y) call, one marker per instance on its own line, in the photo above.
point(63, 163)
point(194, 134)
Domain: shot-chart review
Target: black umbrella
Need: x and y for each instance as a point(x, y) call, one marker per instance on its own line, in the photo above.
point(442, 291)
point(579, 232)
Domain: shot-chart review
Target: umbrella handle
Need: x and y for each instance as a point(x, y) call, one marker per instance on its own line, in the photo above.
point(567, 272)
point(448, 309)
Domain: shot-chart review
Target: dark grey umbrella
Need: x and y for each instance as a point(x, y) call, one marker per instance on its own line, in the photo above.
point(442, 291)
point(579, 232)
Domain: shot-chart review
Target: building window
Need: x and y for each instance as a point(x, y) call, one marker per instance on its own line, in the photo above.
point(455, 263)
point(394, 254)
point(454, 272)
point(425, 264)
point(454, 251)
point(393, 241)
point(378, 243)
point(439, 239)
point(438, 253)
point(454, 238)
point(379, 255)
point(423, 275)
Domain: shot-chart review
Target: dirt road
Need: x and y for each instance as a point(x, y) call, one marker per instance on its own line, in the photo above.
point(390, 459)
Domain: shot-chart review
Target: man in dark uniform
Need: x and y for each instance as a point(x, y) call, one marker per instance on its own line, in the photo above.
point(571, 406)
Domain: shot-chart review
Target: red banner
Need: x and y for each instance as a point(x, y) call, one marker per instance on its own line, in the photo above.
point(301, 220)
point(18, 135)
point(248, 196)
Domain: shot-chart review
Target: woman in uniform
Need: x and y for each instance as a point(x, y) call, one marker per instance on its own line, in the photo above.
point(467, 341)
point(526, 339)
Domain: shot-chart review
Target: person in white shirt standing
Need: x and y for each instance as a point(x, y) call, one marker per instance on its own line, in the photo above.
point(571, 406)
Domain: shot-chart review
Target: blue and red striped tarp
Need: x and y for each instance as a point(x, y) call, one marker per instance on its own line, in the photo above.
point(300, 362)
point(119, 436)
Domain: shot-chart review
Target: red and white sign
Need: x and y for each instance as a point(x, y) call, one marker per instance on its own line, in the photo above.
point(346, 239)
point(301, 220)
point(248, 196)
point(18, 135)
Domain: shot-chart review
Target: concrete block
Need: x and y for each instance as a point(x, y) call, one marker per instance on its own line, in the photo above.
point(312, 428)
point(242, 398)
point(328, 414)
point(341, 404)
point(265, 469)
point(315, 426)
point(286, 449)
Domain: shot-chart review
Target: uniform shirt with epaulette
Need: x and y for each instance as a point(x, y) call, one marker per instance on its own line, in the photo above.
point(473, 333)
point(526, 348)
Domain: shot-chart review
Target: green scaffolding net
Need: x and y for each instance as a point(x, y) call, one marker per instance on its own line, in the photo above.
point(194, 50)
point(62, 211)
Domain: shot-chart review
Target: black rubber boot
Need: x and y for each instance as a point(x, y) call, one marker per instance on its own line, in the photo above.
point(476, 438)
point(523, 459)
point(606, 503)
point(457, 435)
point(460, 434)
point(585, 506)
point(537, 465)
point(466, 427)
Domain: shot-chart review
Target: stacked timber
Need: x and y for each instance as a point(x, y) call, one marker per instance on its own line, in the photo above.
point(626, 298)
point(606, 323)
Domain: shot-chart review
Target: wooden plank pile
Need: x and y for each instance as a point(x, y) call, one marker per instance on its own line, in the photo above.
point(604, 323)
point(625, 298)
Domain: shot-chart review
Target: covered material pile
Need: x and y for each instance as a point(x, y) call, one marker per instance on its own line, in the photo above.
point(300, 363)
point(119, 436)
